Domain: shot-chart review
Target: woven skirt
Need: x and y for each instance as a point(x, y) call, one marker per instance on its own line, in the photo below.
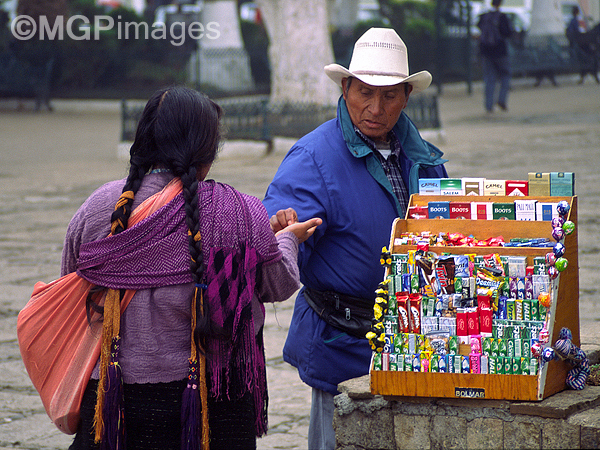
point(153, 419)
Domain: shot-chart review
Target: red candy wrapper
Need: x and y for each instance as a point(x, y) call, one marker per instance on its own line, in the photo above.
point(484, 301)
point(472, 321)
point(485, 320)
point(403, 312)
point(415, 313)
point(461, 322)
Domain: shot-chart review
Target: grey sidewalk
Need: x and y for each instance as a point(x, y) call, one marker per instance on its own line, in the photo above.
point(50, 162)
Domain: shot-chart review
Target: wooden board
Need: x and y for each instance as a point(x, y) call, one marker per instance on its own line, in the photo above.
point(564, 311)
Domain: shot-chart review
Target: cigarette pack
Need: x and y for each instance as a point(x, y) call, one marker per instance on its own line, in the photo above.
point(546, 211)
point(503, 211)
point(539, 184)
point(481, 211)
point(460, 210)
point(439, 210)
point(562, 184)
point(429, 186)
point(473, 186)
point(517, 188)
point(451, 186)
point(494, 187)
point(525, 209)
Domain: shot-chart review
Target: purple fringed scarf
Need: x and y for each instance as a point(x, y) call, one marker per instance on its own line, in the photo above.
point(236, 239)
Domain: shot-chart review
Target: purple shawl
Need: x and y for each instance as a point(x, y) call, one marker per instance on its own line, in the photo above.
point(236, 239)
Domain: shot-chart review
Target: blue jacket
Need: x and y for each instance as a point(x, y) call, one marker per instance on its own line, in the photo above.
point(332, 174)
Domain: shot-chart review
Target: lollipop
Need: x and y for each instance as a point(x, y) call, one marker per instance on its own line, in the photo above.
point(557, 222)
point(544, 299)
point(553, 272)
point(548, 354)
point(563, 208)
point(558, 233)
point(544, 336)
point(559, 249)
point(561, 264)
point(568, 227)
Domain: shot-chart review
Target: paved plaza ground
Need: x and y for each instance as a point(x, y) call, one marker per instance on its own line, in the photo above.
point(50, 162)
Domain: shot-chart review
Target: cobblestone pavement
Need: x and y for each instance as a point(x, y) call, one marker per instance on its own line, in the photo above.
point(50, 162)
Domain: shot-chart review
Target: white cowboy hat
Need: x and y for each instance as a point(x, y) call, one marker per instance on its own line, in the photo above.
point(379, 58)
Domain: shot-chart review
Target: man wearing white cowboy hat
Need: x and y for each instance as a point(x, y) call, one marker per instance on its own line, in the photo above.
point(356, 172)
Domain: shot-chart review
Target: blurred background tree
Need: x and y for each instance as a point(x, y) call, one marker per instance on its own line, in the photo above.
point(414, 21)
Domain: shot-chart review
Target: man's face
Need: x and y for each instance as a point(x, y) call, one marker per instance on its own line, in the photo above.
point(375, 109)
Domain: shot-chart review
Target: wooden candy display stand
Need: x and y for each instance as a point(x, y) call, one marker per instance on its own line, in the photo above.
point(564, 311)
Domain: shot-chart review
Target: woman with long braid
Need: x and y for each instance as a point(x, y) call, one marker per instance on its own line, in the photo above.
point(182, 364)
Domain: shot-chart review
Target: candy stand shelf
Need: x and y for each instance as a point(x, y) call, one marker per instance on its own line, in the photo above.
point(564, 310)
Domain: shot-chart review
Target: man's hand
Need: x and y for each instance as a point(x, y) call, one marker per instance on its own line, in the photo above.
point(282, 219)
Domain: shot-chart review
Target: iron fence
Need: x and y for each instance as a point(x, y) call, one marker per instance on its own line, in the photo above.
point(255, 118)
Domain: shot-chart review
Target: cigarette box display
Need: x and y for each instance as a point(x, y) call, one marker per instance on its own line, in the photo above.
point(501, 377)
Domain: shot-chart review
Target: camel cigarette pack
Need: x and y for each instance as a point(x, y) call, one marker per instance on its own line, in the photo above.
point(494, 187)
point(429, 186)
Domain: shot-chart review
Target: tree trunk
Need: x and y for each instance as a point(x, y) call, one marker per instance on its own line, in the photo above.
point(300, 46)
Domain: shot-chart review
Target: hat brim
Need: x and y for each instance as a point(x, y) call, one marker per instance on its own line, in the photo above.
point(419, 81)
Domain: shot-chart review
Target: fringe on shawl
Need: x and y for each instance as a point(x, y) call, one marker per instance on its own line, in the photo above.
point(237, 366)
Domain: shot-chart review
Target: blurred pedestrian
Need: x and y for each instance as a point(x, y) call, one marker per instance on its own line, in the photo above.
point(495, 30)
point(583, 45)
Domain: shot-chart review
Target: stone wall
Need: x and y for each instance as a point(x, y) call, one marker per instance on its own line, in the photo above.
point(569, 419)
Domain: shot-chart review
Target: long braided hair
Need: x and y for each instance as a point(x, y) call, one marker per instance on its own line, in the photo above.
point(179, 130)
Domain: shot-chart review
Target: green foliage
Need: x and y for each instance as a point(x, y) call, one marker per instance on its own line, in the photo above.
point(116, 62)
point(410, 17)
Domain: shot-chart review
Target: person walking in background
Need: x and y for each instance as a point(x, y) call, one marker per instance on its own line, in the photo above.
point(201, 266)
point(356, 172)
point(495, 30)
point(583, 46)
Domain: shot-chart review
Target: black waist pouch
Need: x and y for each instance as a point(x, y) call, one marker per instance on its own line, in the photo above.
point(352, 315)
